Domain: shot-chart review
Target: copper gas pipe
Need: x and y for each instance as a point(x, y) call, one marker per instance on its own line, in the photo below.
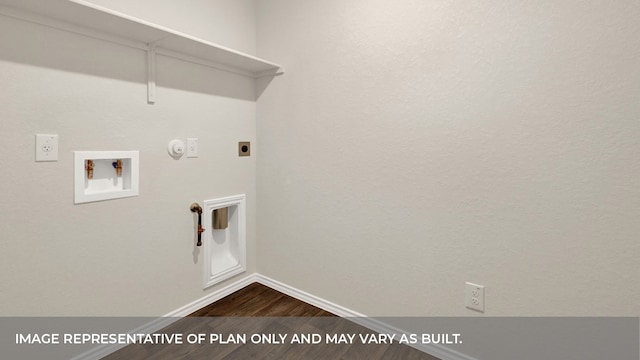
point(195, 208)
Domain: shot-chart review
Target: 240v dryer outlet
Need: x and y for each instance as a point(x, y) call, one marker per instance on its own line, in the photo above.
point(46, 147)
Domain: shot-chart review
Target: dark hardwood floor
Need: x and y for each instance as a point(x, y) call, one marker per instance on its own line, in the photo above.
point(266, 315)
point(259, 300)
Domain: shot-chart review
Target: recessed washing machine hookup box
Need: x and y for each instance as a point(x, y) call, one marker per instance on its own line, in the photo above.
point(105, 175)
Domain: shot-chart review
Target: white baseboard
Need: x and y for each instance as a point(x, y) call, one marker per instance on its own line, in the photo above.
point(306, 297)
point(438, 351)
point(213, 297)
point(162, 322)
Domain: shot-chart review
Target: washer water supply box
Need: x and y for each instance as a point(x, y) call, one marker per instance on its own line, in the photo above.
point(105, 175)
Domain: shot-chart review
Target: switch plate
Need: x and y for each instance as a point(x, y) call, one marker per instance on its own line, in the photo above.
point(192, 147)
point(46, 147)
point(474, 296)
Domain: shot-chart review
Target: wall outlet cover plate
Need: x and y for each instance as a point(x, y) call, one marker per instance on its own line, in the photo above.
point(46, 147)
point(474, 296)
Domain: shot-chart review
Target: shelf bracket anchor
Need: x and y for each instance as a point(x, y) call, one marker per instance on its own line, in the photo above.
point(151, 73)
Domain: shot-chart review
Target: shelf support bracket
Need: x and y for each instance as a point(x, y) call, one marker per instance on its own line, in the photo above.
point(151, 73)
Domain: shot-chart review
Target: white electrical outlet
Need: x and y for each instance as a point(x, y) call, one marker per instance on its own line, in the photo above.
point(474, 296)
point(46, 147)
point(192, 147)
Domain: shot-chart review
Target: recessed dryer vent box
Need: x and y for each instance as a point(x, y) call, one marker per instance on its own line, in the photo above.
point(225, 248)
point(105, 175)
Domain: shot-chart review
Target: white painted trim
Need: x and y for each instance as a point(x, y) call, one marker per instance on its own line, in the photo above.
point(151, 74)
point(141, 34)
point(68, 27)
point(306, 297)
point(438, 351)
point(203, 62)
point(171, 317)
point(103, 24)
point(269, 73)
point(213, 297)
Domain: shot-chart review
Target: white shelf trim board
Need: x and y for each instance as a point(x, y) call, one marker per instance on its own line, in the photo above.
point(87, 19)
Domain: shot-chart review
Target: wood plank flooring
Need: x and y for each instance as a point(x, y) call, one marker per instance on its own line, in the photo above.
point(260, 311)
point(259, 300)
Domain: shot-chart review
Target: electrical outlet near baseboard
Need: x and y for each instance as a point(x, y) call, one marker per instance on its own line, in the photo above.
point(474, 296)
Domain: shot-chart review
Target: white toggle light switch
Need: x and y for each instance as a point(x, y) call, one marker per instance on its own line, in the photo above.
point(192, 147)
point(46, 147)
point(176, 148)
